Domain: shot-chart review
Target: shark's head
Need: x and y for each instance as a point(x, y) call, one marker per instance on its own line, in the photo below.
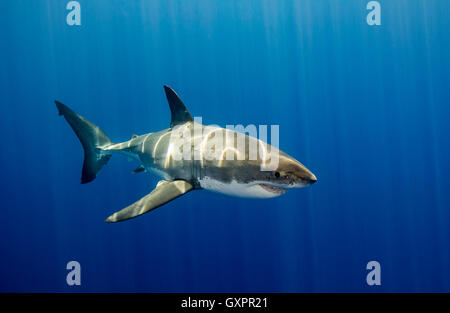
point(289, 173)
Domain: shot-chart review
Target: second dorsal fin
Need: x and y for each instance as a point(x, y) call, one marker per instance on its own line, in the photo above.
point(180, 114)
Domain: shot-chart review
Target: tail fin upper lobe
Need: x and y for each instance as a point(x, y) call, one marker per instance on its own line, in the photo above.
point(92, 138)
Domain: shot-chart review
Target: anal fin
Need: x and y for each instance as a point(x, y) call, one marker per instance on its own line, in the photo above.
point(164, 192)
point(139, 169)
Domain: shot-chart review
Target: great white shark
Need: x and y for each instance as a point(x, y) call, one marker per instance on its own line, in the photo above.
point(230, 168)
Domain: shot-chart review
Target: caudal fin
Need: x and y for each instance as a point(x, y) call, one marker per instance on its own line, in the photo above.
point(93, 140)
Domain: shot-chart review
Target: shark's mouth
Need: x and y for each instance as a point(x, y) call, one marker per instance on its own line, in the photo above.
point(273, 189)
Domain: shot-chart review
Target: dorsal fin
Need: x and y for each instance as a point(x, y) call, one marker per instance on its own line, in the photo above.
point(180, 114)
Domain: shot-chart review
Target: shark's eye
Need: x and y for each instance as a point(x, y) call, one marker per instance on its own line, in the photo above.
point(277, 174)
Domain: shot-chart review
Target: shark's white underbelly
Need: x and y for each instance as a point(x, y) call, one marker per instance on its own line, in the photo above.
point(236, 189)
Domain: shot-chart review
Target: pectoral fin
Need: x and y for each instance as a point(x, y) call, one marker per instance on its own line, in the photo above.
point(164, 192)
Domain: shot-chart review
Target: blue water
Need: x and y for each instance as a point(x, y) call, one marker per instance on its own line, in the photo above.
point(366, 108)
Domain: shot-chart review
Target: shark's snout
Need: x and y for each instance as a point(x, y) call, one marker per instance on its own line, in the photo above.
point(293, 174)
point(309, 180)
point(304, 177)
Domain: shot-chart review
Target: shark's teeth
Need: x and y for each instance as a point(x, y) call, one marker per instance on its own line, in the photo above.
point(273, 189)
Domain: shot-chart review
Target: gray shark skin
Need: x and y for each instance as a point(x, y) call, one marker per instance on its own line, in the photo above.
point(185, 159)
